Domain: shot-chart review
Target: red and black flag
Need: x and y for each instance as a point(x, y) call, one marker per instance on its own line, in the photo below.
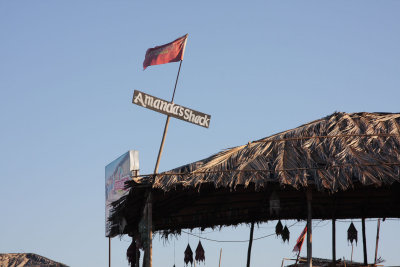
point(171, 52)
point(300, 240)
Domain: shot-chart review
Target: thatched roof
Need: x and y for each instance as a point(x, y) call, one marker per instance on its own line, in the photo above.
point(341, 152)
point(27, 259)
point(331, 153)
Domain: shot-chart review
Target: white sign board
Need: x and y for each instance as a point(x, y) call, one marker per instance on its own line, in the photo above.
point(171, 109)
point(117, 173)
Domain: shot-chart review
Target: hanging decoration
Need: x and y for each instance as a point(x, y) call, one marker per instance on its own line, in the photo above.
point(285, 234)
point(200, 254)
point(132, 253)
point(188, 256)
point(352, 234)
point(278, 228)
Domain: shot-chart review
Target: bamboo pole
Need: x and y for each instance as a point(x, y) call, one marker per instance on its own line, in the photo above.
point(150, 229)
point(333, 242)
point(220, 255)
point(149, 198)
point(309, 228)
point(364, 241)
point(109, 251)
point(166, 124)
point(377, 240)
point(351, 258)
point(250, 244)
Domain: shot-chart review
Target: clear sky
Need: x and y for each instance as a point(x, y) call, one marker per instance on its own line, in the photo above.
point(68, 70)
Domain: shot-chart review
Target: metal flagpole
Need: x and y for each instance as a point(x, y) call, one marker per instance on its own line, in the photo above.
point(149, 197)
point(109, 251)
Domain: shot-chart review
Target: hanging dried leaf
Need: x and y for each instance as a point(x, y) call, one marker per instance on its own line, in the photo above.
point(200, 253)
point(131, 253)
point(278, 228)
point(285, 234)
point(352, 234)
point(188, 255)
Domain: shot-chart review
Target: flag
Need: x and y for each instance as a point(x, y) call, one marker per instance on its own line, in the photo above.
point(300, 240)
point(171, 52)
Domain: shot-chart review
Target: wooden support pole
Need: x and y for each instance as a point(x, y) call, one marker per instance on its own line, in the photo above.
point(149, 198)
point(333, 242)
point(109, 251)
point(364, 241)
point(377, 240)
point(250, 244)
point(150, 229)
point(309, 228)
point(220, 255)
point(352, 247)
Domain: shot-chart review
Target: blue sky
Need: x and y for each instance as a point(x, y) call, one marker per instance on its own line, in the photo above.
point(68, 70)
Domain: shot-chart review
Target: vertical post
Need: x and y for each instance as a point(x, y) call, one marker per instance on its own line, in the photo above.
point(364, 241)
point(149, 198)
point(109, 251)
point(351, 258)
point(150, 229)
point(220, 255)
point(309, 228)
point(377, 240)
point(333, 242)
point(250, 244)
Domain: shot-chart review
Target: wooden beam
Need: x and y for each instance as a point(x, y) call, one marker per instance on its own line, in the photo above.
point(250, 244)
point(364, 241)
point(309, 228)
point(109, 251)
point(377, 240)
point(220, 255)
point(149, 230)
point(333, 242)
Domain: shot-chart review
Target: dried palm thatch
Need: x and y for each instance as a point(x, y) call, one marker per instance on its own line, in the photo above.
point(27, 259)
point(331, 153)
point(338, 156)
